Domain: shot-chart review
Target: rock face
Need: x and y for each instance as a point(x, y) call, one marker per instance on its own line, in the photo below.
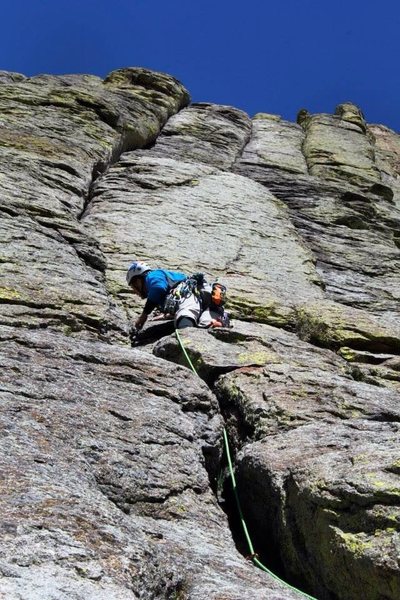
point(112, 459)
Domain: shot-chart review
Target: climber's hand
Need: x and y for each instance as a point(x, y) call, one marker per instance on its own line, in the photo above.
point(133, 333)
point(140, 321)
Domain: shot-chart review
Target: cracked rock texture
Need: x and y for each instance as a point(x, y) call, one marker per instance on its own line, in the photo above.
point(112, 461)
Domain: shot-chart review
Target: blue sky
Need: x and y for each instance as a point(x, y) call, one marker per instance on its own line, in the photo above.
point(257, 55)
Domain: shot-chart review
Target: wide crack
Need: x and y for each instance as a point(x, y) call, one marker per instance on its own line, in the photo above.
point(264, 540)
point(240, 432)
point(99, 169)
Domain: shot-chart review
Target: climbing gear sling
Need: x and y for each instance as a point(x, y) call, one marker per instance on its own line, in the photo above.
point(181, 290)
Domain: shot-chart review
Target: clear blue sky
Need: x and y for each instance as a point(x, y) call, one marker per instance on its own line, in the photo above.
point(259, 55)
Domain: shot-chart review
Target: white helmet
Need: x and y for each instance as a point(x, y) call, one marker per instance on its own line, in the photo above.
point(136, 269)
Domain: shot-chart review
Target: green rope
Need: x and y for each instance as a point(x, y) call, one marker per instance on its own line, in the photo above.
point(232, 476)
point(244, 526)
point(184, 352)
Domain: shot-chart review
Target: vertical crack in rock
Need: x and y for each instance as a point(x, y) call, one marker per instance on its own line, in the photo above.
point(211, 362)
point(97, 172)
point(309, 440)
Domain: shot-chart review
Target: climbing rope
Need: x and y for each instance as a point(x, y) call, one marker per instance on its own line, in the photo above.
point(253, 554)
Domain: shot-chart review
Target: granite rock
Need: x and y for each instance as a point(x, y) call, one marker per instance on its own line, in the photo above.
point(113, 474)
point(107, 459)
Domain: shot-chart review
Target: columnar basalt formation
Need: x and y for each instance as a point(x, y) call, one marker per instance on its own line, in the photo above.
point(112, 460)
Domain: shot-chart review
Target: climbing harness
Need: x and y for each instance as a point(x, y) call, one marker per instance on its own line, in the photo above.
point(210, 296)
point(253, 556)
point(180, 291)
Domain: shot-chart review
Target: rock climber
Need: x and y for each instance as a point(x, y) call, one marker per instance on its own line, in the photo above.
point(191, 301)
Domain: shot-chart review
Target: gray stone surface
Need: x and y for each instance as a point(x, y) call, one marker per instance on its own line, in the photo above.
point(57, 134)
point(196, 218)
point(317, 463)
point(332, 493)
point(345, 226)
point(336, 147)
point(276, 144)
point(210, 134)
point(104, 486)
point(113, 481)
point(387, 156)
point(109, 456)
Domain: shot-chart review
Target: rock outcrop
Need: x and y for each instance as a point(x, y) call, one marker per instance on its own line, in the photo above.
point(113, 472)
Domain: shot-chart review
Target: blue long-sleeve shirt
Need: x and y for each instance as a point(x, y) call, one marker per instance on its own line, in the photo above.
point(157, 285)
